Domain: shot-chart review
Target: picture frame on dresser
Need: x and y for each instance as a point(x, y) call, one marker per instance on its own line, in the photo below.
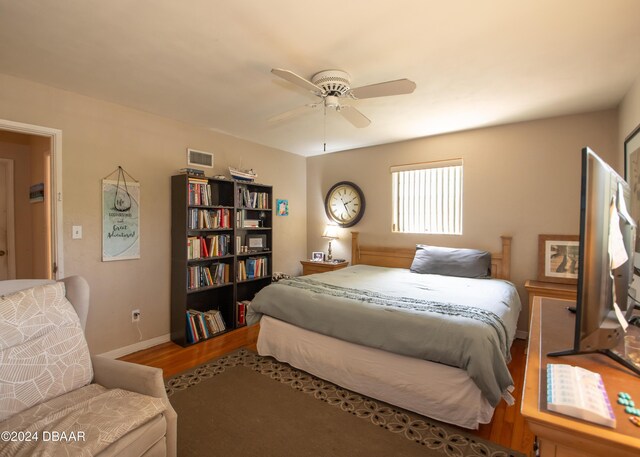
point(632, 175)
point(558, 258)
point(317, 256)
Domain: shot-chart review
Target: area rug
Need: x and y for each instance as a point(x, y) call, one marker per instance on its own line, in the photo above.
point(244, 404)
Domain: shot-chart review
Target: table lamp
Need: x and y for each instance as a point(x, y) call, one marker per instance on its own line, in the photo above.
point(330, 232)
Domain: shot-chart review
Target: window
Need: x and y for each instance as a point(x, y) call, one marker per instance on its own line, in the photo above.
point(427, 197)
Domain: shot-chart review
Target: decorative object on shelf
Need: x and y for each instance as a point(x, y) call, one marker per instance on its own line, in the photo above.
point(262, 217)
point(345, 204)
point(243, 175)
point(558, 258)
point(632, 176)
point(120, 217)
point(256, 242)
point(331, 233)
point(317, 256)
point(192, 172)
point(282, 207)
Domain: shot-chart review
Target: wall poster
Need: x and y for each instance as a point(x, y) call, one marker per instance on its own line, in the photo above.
point(120, 220)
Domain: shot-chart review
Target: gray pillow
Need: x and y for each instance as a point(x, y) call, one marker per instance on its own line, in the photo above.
point(467, 263)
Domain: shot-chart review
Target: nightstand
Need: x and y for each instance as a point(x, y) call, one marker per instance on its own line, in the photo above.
point(550, 290)
point(309, 267)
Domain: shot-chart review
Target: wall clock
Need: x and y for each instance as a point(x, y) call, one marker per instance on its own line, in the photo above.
point(345, 204)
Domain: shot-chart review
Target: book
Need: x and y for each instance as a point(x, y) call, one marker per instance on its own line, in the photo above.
point(241, 310)
point(579, 393)
point(251, 223)
point(193, 171)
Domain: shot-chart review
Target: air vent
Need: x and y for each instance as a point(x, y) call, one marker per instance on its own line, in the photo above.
point(199, 158)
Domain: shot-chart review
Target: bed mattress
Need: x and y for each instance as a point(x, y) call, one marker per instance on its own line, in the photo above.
point(438, 391)
point(464, 323)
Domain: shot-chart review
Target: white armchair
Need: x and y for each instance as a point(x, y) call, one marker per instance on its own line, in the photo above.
point(152, 435)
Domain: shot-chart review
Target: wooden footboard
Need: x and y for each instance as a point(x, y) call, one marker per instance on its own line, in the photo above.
point(382, 256)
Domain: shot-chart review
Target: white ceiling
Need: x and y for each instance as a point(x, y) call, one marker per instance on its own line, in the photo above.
point(207, 62)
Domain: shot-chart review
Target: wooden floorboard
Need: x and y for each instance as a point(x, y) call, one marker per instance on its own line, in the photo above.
point(507, 427)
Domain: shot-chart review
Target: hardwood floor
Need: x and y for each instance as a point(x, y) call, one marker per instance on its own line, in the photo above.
point(507, 427)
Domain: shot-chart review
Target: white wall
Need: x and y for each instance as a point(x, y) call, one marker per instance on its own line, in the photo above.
point(521, 179)
point(97, 137)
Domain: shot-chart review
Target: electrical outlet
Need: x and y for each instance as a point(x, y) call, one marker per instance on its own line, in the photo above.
point(135, 315)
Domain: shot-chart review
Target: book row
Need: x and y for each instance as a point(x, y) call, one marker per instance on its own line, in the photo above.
point(203, 325)
point(253, 267)
point(209, 218)
point(242, 221)
point(207, 275)
point(199, 247)
point(258, 200)
point(199, 192)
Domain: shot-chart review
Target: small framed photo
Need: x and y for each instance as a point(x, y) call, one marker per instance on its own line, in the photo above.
point(317, 256)
point(256, 242)
point(282, 207)
point(558, 258)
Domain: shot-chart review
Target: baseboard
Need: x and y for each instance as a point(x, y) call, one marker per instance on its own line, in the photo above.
point(139, 346)
point(522, 335)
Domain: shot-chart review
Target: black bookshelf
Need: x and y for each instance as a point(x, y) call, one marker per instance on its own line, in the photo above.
point(240, 216)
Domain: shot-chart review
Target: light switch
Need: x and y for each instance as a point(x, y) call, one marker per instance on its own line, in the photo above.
point(76, 232)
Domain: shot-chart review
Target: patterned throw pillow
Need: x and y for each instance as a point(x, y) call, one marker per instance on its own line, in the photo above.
point(43, 352)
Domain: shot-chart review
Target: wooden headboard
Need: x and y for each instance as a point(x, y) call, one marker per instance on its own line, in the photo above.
point(381, 256)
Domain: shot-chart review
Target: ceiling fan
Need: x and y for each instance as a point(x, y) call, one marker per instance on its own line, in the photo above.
point(333, 86)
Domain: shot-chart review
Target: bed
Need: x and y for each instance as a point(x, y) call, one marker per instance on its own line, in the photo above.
point(433, 344)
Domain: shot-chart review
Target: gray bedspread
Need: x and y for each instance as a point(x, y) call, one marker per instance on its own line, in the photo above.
point(465, 323)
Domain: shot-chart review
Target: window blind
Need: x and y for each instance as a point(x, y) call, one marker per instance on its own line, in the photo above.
point(427, 197)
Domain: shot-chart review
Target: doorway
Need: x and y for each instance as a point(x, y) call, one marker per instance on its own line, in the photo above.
point(7, 241)
point(30, 179)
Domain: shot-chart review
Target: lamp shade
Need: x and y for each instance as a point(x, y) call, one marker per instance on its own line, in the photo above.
point(331, 232)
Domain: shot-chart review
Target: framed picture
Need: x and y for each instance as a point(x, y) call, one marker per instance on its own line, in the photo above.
point(120, 220)
point(256, 242)
point(632, 175)
point(558, 258)
point(36, 193)
point(282, 207)
point(317, 256)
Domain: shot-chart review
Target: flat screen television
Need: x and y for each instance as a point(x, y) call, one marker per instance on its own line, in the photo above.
point(604, 198)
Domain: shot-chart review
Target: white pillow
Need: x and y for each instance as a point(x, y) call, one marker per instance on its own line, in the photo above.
point(43, 351)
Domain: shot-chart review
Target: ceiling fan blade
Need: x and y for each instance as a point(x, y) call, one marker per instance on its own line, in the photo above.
point(297, 80)
point(354, 116)
point(292, 112)
point(397, 87)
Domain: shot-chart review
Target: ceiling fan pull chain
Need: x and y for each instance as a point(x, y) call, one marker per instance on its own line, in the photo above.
point(324, 106)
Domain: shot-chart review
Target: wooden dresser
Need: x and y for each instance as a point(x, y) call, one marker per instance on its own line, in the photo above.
point(549, 289)
point(310, 267)
point(563, 436)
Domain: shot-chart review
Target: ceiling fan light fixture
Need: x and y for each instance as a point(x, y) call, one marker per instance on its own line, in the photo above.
point(331, 101)
point(333, 85)
point(333, 82)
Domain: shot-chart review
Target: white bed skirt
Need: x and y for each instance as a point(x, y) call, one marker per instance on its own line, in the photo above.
point(434, 390)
